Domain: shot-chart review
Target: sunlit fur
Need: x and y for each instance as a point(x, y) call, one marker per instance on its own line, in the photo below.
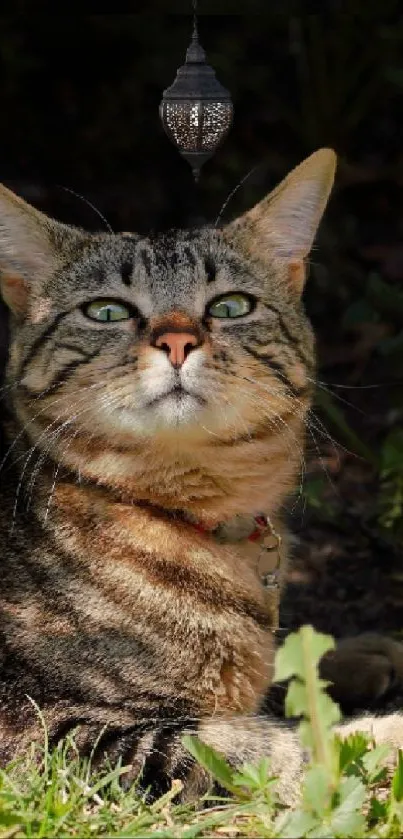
point(116, 610)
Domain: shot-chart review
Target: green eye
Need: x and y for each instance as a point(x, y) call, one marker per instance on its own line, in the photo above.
point(106, 311)
point(231, 306)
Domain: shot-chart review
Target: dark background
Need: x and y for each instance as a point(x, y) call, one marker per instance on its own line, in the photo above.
point(79, 100)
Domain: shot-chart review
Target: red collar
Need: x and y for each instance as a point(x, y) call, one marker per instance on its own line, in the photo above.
point(262, 525)
point(262, 529)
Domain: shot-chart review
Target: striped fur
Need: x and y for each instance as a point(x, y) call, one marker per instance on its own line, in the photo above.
point(117, 615)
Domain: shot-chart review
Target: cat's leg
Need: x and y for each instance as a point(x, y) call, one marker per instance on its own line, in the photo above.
point(363, 670)
point(248, 740)
point(387, 729)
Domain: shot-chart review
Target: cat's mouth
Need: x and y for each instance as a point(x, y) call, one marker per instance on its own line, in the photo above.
point(179, 394)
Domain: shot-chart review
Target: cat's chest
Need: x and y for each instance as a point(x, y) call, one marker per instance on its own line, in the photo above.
point(198, 610)
point(125, 603)
point(111, 637)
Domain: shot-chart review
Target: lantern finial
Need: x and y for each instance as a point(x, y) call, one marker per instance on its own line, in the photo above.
point(196, 111)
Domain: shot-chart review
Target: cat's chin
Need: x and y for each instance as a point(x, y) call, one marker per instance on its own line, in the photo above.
point(173, 411)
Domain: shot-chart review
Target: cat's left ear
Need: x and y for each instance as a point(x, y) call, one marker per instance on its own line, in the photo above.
point(282, 227)
point(30, 249)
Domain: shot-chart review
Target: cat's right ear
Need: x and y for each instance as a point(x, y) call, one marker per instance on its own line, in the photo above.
point(282, 227)
point(28, 249)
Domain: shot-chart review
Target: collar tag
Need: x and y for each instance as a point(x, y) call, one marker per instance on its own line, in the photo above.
point(262, 533)
point(270, 548)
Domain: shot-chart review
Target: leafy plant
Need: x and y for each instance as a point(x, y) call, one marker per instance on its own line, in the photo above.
point(339, 788)
point(391, 476)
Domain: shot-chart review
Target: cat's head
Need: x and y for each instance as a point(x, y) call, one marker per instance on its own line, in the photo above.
point(190, 335)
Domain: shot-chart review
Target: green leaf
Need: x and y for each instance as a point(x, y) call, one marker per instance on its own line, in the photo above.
point(397, 810)
point(107, 779)
point(351, 792)
point(297, 824)
point(351, 751)
point(255, 777)
point(299, 656)
point(392, 451)
point(8, 820)
point(397, 782)
point(347, 823)
point(211, 760)
point(347, 819)
point(373, 759)
point(360, 311)
point(321, 832)
point(296, 701)
point(378, 809)
point(317, 789)
point(290, 657)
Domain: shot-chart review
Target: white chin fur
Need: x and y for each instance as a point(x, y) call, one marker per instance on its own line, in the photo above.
point(170, 412)
point(176, 409)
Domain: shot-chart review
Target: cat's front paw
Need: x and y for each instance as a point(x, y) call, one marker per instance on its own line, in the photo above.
point(156, 761)
point(363, 670)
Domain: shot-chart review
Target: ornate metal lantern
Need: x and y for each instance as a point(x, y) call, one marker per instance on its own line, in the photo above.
point(196, 111)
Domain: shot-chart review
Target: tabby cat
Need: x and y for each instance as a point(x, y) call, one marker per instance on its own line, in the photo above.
point(157, 390)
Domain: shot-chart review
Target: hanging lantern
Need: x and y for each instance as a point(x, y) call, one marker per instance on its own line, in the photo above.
point(196, 111)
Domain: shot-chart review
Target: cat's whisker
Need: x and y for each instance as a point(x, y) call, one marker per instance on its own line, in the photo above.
point(326, 389)
point(30, 486)
point(233, 192)
point(33, 448)
point(46, 429)
point(89, 204)
point(361, 387)
point(235, 410)
point(310, 426)
point(58, 465)
point(275, 416)
point(38, 414)
point(42, 460)
point(44, 453)
point(280, 425)
point(7, 388)
point(304, 413)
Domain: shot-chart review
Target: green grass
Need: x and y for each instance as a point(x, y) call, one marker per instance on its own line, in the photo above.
point(346, 789)
point(57, 795)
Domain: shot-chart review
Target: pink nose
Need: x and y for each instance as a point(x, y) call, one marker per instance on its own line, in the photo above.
point(177, 346)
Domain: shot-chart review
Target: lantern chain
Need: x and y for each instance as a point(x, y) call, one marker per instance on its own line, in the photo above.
point(195, 32)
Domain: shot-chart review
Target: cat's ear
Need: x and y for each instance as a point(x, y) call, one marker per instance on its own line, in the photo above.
point(28, 249)
point(284, 224)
